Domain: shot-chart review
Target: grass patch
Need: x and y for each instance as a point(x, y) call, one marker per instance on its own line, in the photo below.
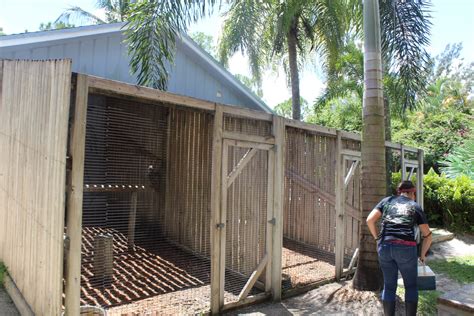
point(427, 301)
point(460, 269)
point(3, 269)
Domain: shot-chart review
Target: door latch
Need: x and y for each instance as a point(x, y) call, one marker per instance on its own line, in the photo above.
point(220, 225)
point(272, 221)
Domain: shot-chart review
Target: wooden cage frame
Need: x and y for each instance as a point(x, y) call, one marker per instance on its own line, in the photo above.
point(82, 85)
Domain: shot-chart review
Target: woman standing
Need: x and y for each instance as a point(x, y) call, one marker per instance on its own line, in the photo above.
point(397, 244)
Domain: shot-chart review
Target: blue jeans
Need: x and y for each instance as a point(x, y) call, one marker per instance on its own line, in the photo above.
point(392, 258)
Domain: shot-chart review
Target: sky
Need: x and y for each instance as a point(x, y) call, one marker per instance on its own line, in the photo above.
point(453, 21)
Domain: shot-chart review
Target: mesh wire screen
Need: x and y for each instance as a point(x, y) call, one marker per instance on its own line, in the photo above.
point(247, 126)
point(146, 212)
point(353, 205)
point(246, 220)
point(309, 208)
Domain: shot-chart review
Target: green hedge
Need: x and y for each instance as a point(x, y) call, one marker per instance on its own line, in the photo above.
point(447, 202)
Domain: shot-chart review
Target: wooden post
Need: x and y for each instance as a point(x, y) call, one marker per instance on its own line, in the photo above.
point(340, 199)
point(215, 209)
point(402, 162)
point(131, 220)
point(223, 222)
point(74, 199)
point(270, 221)
point(103, 257)
point(278, 198)
point(419, 178)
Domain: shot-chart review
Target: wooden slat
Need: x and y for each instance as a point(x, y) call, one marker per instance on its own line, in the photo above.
point(111, 87)
point(74, 198)
point(349, 152)
point(223, 221)
point(269, 219)
point(34, 116)
point(310, 127)
point(246, 144)
point(253, 278)
point(351, 172)
point(249, 138)
point(216, 179)
point(247, 113)
point(132, 220)
point(240, 166)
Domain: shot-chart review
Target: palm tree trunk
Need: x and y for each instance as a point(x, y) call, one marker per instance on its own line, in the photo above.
point(368, 275)
point(294, 77)
point(388, 151)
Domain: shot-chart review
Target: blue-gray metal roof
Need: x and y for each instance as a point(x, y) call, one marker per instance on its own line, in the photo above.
point(99, 50)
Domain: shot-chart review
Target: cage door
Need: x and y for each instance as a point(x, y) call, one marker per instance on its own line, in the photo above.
point(246, 213)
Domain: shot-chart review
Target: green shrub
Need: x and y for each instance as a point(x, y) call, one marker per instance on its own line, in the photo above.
point(3, 269)
point(447, 202)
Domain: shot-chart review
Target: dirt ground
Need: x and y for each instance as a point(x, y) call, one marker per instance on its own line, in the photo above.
point(341, 299)
point(334, 298)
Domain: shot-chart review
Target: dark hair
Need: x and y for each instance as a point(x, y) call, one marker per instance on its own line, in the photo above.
point(405, 185)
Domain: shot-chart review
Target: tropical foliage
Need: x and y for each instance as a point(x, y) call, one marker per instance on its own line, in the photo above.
point(447, 202)
point(285, 109)
point(274, 33)
point(115, 11)
point(54, 26)
point(460, 161)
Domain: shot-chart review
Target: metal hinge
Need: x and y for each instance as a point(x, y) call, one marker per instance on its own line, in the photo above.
point(220, 225)
point(272, 221)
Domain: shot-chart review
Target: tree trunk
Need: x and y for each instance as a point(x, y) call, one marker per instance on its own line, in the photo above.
point(388, 137)
point(294, 77)
point(368, 274)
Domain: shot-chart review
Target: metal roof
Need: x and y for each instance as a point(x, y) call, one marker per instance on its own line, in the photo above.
point(81, 31)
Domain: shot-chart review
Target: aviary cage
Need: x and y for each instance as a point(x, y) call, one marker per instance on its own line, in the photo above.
point(173, 205)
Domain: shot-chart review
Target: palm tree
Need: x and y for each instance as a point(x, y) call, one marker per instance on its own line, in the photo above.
point(368, 274)
point(115, 11)
point(401, 29)
point(284, 31)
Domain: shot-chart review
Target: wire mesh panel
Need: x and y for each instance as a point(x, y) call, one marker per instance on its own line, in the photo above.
point(246, 178)
point(309, 208)
point(353, 202)
point(145, 211)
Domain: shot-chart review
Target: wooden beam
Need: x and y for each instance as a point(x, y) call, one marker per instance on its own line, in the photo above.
point(350, 173)
point(249, 138)
point(247, 301)
point(402, 163)
point(340, 208)
point(131, 220)
point(398, 146)
point(222, 224)
point(247, 113)
point(240, 166)
point(419, 179)
point(74, 199)
point(312, 187)
point(215, 209)
point(310, 127)
point(20, 303)
point(349, 152)
point(270, 219)
point(246, 144)
point(278, 202)
point(253, 278)
point(111, 87)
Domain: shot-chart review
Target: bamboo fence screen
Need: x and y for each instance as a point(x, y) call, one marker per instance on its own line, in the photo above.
point(174, 204)
point(34, 113)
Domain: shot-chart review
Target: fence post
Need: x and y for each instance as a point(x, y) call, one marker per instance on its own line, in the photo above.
point(217, 300)
point(278, 198)
point(340, 199)
point(402, 163)
point(74, 199)
point(419, 178)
